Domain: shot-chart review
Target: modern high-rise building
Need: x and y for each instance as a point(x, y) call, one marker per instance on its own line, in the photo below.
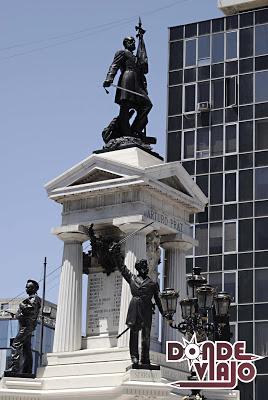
point(9, 328)
point(218, 128)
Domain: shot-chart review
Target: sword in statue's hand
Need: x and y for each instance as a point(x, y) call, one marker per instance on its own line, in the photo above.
point(126, 90)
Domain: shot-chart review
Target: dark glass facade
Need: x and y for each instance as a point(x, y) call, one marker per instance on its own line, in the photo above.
point(218, 128)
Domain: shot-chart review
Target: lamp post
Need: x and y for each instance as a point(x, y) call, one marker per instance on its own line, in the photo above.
point(204, 312)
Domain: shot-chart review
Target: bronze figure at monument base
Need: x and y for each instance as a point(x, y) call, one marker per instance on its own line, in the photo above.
point(140, 310)
point(21, 356)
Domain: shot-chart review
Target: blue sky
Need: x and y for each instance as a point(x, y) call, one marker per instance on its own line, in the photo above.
point(54, 57)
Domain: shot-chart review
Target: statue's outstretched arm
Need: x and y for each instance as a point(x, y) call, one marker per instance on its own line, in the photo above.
point(114, 67)
point(119, 262)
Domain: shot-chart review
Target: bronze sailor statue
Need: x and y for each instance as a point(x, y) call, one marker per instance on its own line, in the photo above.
point(27, 314)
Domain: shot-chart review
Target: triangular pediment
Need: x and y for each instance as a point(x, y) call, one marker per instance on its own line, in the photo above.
point(92, 170)
point(174, 182)
point(96, 175)
point(177, 178)
point(123, 170)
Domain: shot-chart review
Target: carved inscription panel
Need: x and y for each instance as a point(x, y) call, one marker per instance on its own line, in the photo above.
point(104, 295)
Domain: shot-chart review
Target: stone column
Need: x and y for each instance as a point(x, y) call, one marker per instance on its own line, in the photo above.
point(135, 249)
point(154, 258)
point(175, 277)
point(69, 312)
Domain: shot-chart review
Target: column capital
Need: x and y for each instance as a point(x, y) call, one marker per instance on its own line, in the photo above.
point(132, 224)
point(178, 241)
point(71, 233)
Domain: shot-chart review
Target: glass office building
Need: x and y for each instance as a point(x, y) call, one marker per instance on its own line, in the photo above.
point(218, 128)
point(9, 328)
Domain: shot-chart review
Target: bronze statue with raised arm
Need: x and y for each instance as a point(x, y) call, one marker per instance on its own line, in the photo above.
point(141, 308)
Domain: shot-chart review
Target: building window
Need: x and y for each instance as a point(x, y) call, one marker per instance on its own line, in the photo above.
point(216, 281)
point(230, 237)
point(230, 184)
point(231, 91)
point(201, 234)
point(188, 145)
point(245, 332)
point(246, 89)
point(190, 52)
point(261, 39)
point(229, 284)
point(202, 143)
point(246, 42)
point(203, 50)
point(216, 189)
point(216, 140)
point(261, 84)
point(174, 146)
point(261, 284)
point(261, 183)
point(261, 380)
point(245, 136)
point(176, 55)
point(215, 238)
point(175, 77)
point(231, 138)
point(204, 92)
point(189, 98)
point(217, 93)
point(245, 185)
point(261, 208)
point(231, 45)
point(217, 47)
point(245, 237)
point(175, 100)
point(245, 286)
point(233, 328)
point(261, 338)
point(261, 233)
point(261, 135)
point(202, 182)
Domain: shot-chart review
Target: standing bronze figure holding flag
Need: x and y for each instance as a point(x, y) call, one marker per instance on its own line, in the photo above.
point(131, 92)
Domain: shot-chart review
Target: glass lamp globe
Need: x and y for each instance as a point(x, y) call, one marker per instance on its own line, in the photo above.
point(169, 299)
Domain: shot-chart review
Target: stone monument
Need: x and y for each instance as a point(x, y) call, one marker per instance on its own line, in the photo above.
point(120, 189)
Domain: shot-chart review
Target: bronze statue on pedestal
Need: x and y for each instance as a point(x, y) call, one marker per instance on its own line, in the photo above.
point(141, 308)
point(131, 94)
point(27, 314)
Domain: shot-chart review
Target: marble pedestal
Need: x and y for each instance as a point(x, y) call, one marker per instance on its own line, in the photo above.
point(118, 191)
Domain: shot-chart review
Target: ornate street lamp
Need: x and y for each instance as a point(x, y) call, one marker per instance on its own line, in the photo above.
point(204, 312)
